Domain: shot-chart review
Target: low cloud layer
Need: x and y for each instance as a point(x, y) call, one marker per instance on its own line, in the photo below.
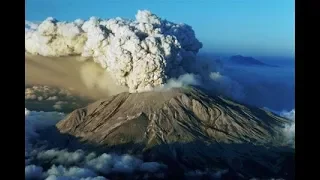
point(47, 98)
point(44, 163)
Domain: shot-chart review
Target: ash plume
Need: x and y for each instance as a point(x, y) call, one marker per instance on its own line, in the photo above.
point(140, 54)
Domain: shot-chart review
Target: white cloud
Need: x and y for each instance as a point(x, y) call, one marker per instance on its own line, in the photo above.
point(72, 165)
point(126, 164)
point(289, 114)
point(76, 172)
point(102, 164)
point(51, 98)
point(289, 129)
point(62, 157)
point(182, 81)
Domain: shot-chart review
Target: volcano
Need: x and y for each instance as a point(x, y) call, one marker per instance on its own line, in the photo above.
point(187, 128)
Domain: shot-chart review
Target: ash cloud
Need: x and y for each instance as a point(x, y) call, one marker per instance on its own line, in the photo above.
point(140, 54)
point(225, 85)
point(182, 81)
point(148, 53)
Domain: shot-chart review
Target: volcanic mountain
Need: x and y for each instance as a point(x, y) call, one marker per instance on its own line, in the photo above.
point(187, 129)
point(247, 61)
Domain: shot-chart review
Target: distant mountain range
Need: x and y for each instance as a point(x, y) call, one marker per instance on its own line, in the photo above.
point(247, 61)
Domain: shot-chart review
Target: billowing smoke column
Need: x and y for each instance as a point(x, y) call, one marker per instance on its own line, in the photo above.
point(140, 54)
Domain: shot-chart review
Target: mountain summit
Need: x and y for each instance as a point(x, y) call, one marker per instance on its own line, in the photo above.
point(186, 129)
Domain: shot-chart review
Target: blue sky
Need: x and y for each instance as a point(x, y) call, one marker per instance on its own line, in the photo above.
point(247, 27)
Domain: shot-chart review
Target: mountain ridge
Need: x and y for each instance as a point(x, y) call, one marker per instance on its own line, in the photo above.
point(185, 127)
point(249, 61)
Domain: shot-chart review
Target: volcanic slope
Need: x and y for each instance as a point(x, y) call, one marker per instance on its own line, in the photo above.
point(187, 129)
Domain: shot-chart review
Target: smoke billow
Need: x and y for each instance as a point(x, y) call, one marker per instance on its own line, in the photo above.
point(94, 77)
point(148, 53)
point(225, 85)
point(144, 54)
point(289, 129)
point(140, 54)
point(181, 81)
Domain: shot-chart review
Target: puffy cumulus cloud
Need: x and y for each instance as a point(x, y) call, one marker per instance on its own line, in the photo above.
point(76, 165)
point(126, 164)
point(62, 157)
point(52, 99)
point(72, 172)
point(107, 163)
point(102, 164)
point(140, 54)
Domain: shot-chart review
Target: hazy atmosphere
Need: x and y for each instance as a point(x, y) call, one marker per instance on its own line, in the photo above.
point(118, 54)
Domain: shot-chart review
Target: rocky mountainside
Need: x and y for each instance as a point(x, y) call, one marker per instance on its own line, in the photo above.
point(187, 129)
